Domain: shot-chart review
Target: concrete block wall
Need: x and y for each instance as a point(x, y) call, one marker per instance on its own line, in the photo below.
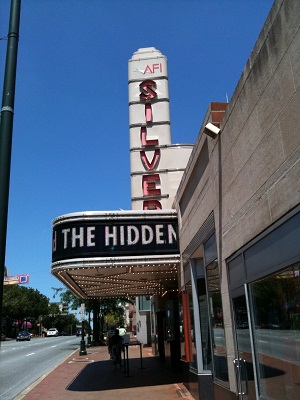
point(252, 176)
point(143, 328)
point(260, 133)
point(251, 179)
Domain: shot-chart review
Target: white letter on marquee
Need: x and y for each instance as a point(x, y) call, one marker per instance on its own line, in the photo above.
point(90, 235)
point(122, 236)
point(112, 235)
point(159, 233)
point(132, 240)
point(77, 236)
point(147, 229)
point(171, 234)
point(65, 233)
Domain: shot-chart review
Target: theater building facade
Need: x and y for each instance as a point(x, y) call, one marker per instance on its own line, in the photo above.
point(135, 253)
point(211, 247)
point(238, 210)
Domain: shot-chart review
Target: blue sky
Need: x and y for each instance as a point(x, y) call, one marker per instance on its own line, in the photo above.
point(71, 130)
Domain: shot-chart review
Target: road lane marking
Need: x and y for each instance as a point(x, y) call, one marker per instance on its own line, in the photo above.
point(30, 354)
point(54, 345)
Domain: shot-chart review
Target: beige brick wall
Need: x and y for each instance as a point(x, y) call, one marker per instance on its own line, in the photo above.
point(252, 178)
point(261, 135)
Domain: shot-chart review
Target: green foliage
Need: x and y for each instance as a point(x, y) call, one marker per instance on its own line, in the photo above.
point(65, 323)
point(20, 302)
point(66, 296)
point(113, 304)
point(53, 309)
point(106, 312)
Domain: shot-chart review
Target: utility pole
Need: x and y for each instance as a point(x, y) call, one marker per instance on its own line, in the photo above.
point(6, 127)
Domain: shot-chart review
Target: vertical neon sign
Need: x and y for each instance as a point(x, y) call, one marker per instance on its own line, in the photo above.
point(149, 181)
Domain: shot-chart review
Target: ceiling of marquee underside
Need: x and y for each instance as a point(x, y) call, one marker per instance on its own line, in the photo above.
point(88, 281)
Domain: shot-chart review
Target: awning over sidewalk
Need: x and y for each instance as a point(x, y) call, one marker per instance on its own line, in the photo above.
point(116, 253)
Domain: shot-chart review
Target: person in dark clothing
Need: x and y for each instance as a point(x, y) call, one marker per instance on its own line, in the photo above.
point(115, 345)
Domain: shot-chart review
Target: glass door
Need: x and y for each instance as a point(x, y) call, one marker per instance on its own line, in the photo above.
point(243, 362)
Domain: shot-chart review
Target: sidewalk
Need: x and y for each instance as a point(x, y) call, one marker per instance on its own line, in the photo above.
point(93, 376)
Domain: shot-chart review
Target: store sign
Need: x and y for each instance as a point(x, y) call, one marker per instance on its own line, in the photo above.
point(16, 279)
point(114, 239)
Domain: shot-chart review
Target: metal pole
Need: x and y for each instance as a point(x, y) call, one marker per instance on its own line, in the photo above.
point(89, 342)
point(82, 351)
point(6, 127)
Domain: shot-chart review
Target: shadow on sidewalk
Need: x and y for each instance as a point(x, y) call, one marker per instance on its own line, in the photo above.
point(102, 375)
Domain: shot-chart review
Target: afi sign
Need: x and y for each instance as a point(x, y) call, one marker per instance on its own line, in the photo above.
point(151, 69)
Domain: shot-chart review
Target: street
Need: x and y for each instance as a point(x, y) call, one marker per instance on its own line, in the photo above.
point(22, 363)
point(277, 343)
point(281, 344)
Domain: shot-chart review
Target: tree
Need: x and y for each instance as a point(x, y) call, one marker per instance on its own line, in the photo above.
point(104, 310)
point(66, 296)
point(55, 319)
point(20, 303)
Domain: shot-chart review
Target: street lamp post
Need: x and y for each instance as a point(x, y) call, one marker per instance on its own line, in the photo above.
point(82, 351)
point(6, 128)
point(89, 342)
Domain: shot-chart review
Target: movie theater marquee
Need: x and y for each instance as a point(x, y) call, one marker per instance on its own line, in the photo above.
point(110, 238)
point(115, 253)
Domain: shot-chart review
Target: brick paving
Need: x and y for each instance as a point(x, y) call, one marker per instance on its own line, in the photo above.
point(93, 376)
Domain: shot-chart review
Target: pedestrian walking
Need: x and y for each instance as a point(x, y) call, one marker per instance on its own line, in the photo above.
point(115, 347)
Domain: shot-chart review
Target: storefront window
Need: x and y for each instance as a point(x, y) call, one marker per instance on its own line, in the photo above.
point(182, 330)
point(218, 361)
point(184, 327)
point(169, 321)
point(144, 303)
point(153, 321)
point(204, 324)
point(276, 314)
point(193, 363)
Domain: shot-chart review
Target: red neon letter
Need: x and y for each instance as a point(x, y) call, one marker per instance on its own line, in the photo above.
point(148, 112)
point(149, 185)
point(152, 205)
point(144, 140)
point(147, 90)
point(147, 164)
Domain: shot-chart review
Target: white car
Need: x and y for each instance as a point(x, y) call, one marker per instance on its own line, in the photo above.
point(52, 332)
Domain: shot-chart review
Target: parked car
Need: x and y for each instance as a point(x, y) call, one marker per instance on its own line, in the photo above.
point(23, 335)
point(52, 332)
